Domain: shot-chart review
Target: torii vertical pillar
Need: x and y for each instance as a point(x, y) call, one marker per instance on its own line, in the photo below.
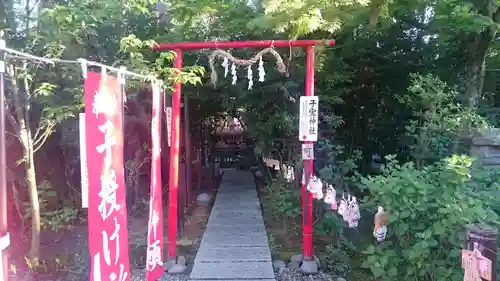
point(174, 149)
point(309, 265)
point(173, 174)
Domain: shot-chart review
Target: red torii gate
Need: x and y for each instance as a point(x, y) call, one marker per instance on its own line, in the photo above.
point(173, 189)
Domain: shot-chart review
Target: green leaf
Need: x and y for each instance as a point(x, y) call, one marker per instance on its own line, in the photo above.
point(377, 271)
point(370, 250)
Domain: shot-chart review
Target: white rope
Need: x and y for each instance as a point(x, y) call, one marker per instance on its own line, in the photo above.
point(4, 48)
point(121, 72)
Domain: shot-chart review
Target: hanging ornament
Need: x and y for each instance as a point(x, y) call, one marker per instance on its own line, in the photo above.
point(262, 71)
point(250, 77)
point(218, 53)
point(475, 265)
point(330, 197)
point(353, 212)
point(225, 64)
point(233, 73)
point(380, 229)
point(315, 186)
point(343, 207)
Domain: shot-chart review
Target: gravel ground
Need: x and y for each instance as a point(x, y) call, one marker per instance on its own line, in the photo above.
point(140, 276)
point(137, 275)
point(288, 274)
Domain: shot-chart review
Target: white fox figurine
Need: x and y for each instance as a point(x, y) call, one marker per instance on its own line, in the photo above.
point(315, 186)
point(330, 197)
point(380, 228)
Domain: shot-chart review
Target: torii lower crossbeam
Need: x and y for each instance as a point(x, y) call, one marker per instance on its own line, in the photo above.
point(173, 187)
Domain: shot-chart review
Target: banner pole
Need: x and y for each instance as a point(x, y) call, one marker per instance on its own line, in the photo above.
point(4, 229)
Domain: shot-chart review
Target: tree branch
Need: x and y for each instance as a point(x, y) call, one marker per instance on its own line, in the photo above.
point(12, 135)
point(12, 120)
point(496, 16)
point(41, 139)
point(41, 127)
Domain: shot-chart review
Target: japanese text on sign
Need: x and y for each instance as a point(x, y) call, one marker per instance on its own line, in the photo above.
point(154, 257)
point(308, 123)
point(307, 151)
point(169, 125)
point(106, 193)
point(154, 251)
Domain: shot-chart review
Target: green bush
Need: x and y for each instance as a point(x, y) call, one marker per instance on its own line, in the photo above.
point(429, 210)
point(284, 201)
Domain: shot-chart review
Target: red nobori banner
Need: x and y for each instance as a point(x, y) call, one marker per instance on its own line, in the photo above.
point(154, 254)
point(107, 212)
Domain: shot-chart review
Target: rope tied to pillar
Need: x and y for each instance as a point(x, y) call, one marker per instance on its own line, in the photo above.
point(218, 53)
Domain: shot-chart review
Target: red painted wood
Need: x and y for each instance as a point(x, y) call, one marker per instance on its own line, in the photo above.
point(173, 181)
point(307, 217)
point(242, 44)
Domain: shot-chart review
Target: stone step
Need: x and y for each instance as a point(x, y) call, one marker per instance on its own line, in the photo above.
point(227, 228)
point(234, 254)
point(235, 239)
point(217, 222)
point(240, 196)
point(253, 214)
point(236, 208)
point(232, 270)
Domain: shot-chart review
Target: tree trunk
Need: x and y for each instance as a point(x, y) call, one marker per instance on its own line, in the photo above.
point(474, 82)
point(22, 108)
point(35, 207)
point(479, 49)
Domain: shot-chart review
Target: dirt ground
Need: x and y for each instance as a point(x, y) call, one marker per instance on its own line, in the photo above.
point(65, 253)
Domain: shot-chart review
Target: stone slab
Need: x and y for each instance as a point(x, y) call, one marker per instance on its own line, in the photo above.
point(236, 221)
point(239, 195)
point(226, 239)
point(245, 197)
point(237, 189)
point(219, 221)
point(242, 193)
point(231, 189)
point(236, 215)
point(236, 203)
point(249, 209)
point(237, 186)
point(236, 208)
point(226, 228)
point(236, 254)
point(232, 270)
point(250, 230)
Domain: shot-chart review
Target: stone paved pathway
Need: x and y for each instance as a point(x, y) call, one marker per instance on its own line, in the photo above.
point(234, 245)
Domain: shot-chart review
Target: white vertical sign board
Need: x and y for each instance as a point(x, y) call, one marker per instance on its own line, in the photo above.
point(308, 122)
point(168, 111)
point(83, 162)
point(307, 151)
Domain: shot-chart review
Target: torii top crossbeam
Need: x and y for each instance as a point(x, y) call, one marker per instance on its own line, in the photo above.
point(242, 44)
